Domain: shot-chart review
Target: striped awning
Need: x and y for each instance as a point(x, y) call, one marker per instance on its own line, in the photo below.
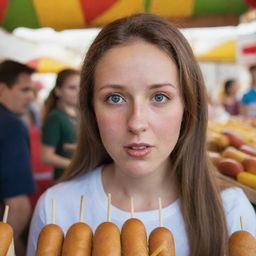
point(72, 14)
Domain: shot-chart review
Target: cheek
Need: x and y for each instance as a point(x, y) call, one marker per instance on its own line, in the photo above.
point(109, 127)
point(169, 126)
point(20, 98)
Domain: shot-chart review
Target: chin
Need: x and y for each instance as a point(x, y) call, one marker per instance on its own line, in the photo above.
point(138, 170)
point(20, 113)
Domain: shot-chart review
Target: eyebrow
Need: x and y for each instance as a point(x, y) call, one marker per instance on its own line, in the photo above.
point(111, 86)
point(154, 86)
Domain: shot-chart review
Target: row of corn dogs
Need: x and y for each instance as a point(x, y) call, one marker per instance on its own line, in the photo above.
point(106, 240)
point(109, 241)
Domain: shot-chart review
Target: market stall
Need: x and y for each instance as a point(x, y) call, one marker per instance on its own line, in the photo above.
point(231, 145)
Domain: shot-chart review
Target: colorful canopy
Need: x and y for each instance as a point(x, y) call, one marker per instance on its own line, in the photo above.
point(71, 14)
point(48, 65)
point(224, 52)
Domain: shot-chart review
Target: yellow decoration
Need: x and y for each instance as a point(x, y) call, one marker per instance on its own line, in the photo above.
point(48, 65)
point(222, 52)
point(172, 8)
point(64, 14)
point(120, 9)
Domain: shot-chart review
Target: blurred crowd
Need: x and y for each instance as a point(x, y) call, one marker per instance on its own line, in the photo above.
point(36, 142)
point(231, 103)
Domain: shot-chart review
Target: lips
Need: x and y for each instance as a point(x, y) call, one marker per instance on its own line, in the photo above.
point(138, 149)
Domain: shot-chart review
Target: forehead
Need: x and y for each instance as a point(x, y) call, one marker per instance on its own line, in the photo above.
point(136, 60)
point(72, 79)
point(133, 48)
point(23, 79)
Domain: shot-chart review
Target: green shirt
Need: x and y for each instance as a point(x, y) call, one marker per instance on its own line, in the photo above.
point(58, 129)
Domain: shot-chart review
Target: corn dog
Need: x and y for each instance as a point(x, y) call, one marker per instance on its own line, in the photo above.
point(6, 236)
point(106, 240)
point(50, 241)
point(78, 240)
point(162, 236)
point(242, 243)
point(134, 238)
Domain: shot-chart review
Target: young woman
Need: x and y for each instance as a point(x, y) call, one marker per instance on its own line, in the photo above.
point(59, 130)
point(143, 126)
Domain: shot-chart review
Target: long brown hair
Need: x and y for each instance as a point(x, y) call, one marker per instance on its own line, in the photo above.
point(52, 99)
point(200, 198)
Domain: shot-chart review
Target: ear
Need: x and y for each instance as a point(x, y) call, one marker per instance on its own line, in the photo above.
point(57, 92)
point(2, 87)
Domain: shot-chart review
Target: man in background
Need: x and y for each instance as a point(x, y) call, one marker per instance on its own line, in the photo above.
point(16, 180)
point(249, 98)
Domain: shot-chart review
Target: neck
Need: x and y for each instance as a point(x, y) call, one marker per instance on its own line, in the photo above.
point(145, 190)
point(8, 107)
point(69, 109)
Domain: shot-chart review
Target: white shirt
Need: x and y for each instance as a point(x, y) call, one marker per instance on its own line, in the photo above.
point(67, 196)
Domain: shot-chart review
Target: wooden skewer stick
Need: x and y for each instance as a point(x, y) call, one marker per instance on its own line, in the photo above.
point(132, 208)
point(109, 205)
point(158, 250)
point(81, 216)
point(53, 211)
point(11, 250)
point(6, 212)
point(241, 223)
point(160, 212)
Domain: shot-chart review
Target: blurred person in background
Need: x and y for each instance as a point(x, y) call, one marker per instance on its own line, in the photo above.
point(229, 99)
point(216, 112)
point(16, 180)
point(33, 115)
point(60, 122)
point(249, 98)
point(42, 172)
point(35, 106)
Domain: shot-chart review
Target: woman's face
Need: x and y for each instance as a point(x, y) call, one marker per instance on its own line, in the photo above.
point(69, 91)
point(233, 88)
point(138, 107)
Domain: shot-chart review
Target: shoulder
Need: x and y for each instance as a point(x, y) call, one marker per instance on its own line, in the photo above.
point(249, 92)
point(55, 113)
point(248, 96)
point(57, 116)
point(236, 204)
point(53, 120)
point(12, 125)
point(67, 197)
point(75, 187)
point(9, 118)
point(234, 197)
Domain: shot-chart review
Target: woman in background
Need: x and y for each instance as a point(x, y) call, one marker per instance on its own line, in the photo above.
point(229, 99)
point(59, 132)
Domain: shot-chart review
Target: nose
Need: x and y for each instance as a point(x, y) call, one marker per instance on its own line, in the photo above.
point(138, 119)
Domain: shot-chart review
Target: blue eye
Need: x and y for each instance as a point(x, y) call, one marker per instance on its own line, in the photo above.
point(160, 98)
point(115, 99)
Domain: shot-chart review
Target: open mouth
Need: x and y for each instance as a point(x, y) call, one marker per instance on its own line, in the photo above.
point(139, 148)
